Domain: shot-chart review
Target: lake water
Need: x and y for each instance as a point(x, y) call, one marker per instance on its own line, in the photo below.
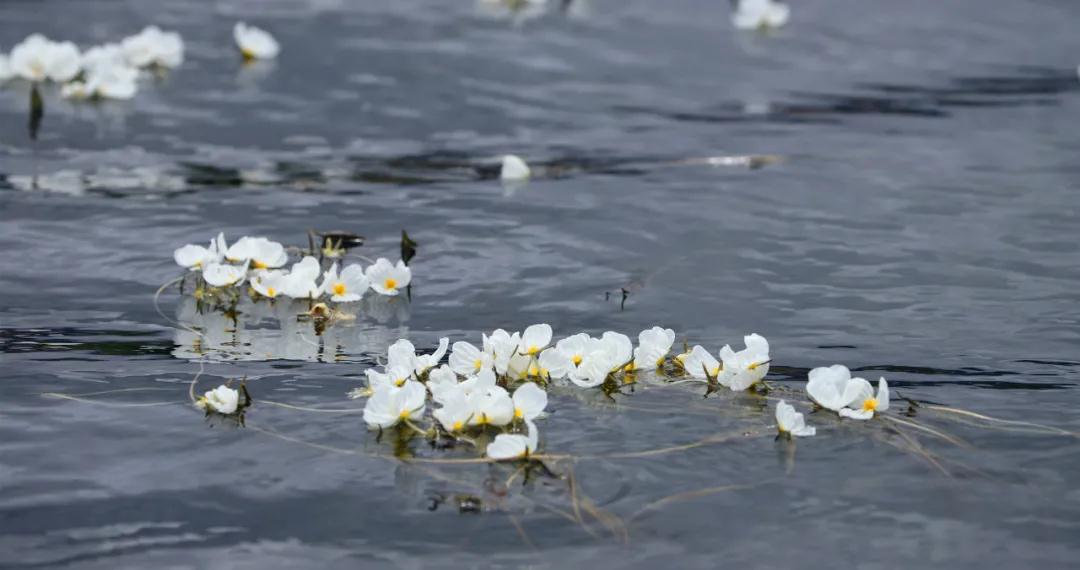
point(912, 211)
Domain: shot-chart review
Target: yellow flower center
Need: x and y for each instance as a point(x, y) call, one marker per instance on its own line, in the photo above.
point(576, 359)
point(458, 425)
point(660, 362)
point(715, 372)
point(247, 53)
point(754, 366)
point(390, 283)
point(256, 264)
point(629, 367)
point(533, 350)
point(405, 414)
point(519, 413)
point(339, 288)
point(869, 404)
point(483, 419)
point(534, 370)
point(399, 382)
point(478, 364)
point(270, 292)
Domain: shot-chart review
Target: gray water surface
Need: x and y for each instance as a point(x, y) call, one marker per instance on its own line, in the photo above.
point(919, 223)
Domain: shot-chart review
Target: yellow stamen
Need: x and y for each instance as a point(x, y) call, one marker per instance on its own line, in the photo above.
point(256, 264)
point(405, 414)
point(715, 372)
point(545, 372)
point(270, 292)
point(518, 413)
point(458, 425)
point(576, 359)
point(533, 350)
point(399, 382)
point(478, 364)
point(534, 370)
point(629, 367)
point(483, 419)
point(339, 288)
point(390, 283)
point(870, 404)
point(248, 54)
point(660, 362)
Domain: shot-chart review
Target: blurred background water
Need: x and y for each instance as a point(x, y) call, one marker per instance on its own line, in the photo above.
point(919, 221)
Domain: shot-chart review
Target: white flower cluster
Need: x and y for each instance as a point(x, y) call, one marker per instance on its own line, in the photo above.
point(259, 261)
point(472, 389)
point(107, 71)
point(111, 70)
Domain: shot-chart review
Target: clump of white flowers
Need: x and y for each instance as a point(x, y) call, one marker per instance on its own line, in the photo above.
point(106, 71)
point(261, 262)
point(833, 388)
point(501, 385)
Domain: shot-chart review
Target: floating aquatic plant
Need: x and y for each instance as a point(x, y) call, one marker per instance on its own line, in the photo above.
point(261, 261)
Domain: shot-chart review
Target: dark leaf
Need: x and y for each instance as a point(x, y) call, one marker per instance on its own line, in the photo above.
point(408, 247)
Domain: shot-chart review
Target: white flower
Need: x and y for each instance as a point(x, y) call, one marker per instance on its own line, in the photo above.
point(863, 406)
point(534, 339)
point(403, 353)
point(700, 364)
point(223, 400)
point(116, 81)
point(153, 47)
point(255, 43)
point(270, 283)
point(442, 375)
point(466, 359)
point(566, 355)
point(833, 387)
point(37, 58)
point(300, 281)
point(478, 384)
point(388, 406)
point(603, 356)
point(347, 287)
point(388, 279)
point(492, 406)
point(514, 168)
point(529, 402)
point(791, 422)
point(760, 14)
point(261, 252)
point(220, 275)
point(513, 446)
point(393, 377)
point(555, 364)
point(502, 346)
point(455, 413)
point(653, 347)
point(747, 367)
point(195, 257)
